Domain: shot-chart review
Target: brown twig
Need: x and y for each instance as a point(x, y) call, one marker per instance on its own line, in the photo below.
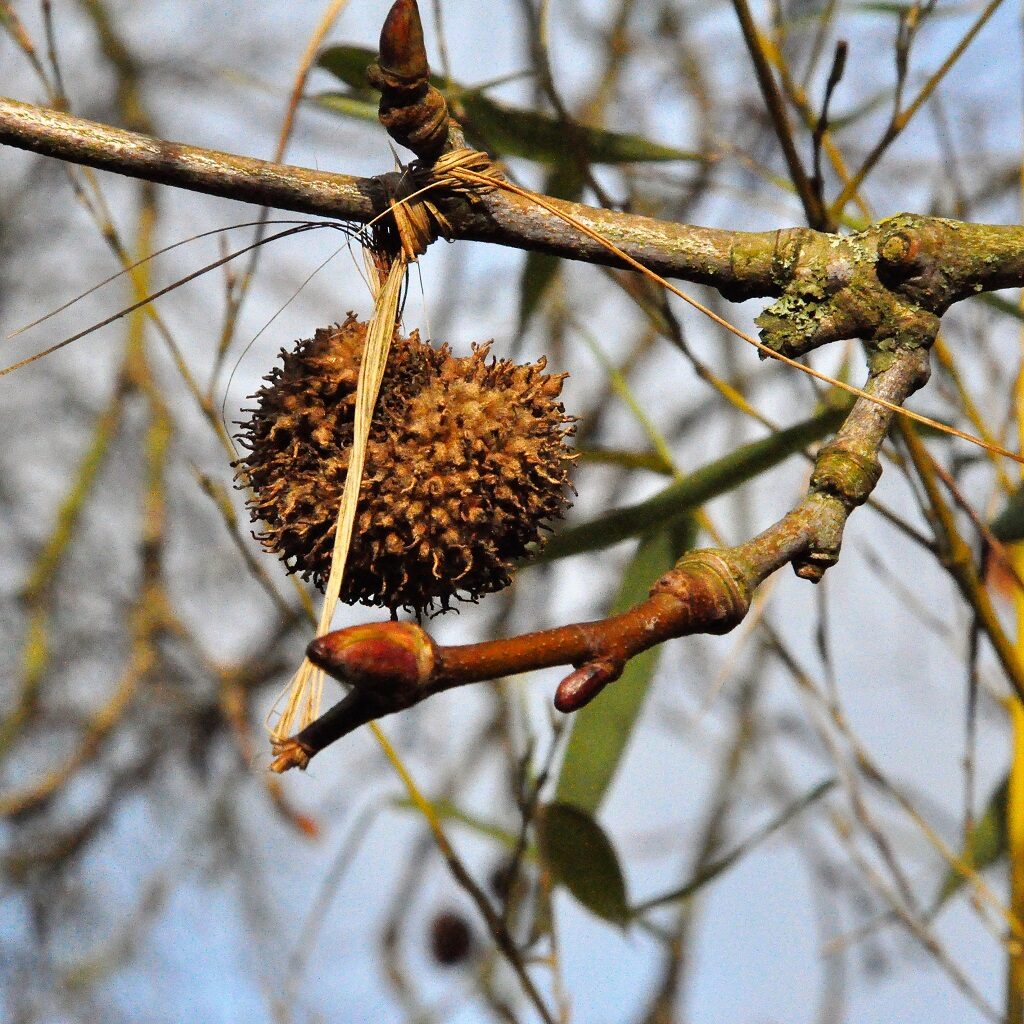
point(902, 115)
point(817, 215)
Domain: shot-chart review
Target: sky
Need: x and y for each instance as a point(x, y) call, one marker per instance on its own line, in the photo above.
point(218, 950)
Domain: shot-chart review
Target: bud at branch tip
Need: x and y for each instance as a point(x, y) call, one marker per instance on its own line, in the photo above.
point(386, 657)
point(403, 53)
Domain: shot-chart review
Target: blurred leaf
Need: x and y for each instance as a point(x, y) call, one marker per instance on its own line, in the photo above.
point(715, 868)
point(997, 302)
point(349, 64)
point(620, 387)
point(902, 9)
point(563, 181)
point(702, 485)
point(510, 131)
point(1008, 526)
point(626, 459)
point(986, 844)
point(601, 730)
point(535, 136)
point(446, 810)
point(581, 857)
point(350, 106)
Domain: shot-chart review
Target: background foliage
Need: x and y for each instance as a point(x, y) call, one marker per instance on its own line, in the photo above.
point(763, 826)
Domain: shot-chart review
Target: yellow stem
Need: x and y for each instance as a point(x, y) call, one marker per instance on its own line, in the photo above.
point(1015, 850)
point(1015, 792)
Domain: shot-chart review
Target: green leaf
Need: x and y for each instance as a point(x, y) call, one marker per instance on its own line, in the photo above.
point(1008, 526)
point(581, 857)
point(986, 844)
point(349, 64)
point(564, 181)
point(601, 730)
point(511, 131)
point(717, 867)
point(651, 461)
point(901, 9)
point(681, 498)
point(532, 135)
point(350, 106)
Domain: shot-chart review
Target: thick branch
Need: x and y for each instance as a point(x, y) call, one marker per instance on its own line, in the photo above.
point(884, 279)
point(733, 260)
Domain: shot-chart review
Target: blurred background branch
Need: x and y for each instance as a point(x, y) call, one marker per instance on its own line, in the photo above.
point(679, 849)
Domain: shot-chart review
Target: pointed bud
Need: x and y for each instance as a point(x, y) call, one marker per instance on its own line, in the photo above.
point(383, 657)
point(403, 53)
point(580, 688)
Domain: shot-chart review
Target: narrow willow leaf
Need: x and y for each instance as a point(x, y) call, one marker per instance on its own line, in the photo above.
point(652, 461)
point(535, 136)
point(679, 499)
point(620, 387)
point(601, 730)
point(581, 857)
point(564, 181)
point(349, 64)
point(350, 106)
point(986, 844)
point(447, 810)
point(717, 867)
point(890, 7)
point(511, 131)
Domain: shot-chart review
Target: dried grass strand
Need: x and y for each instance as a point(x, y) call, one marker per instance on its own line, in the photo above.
point(304, 694)
point(852, 389)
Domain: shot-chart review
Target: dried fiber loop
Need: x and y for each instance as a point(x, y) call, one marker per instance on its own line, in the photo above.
point(417, 220)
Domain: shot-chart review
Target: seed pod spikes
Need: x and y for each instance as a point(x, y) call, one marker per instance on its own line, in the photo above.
point(466, 465)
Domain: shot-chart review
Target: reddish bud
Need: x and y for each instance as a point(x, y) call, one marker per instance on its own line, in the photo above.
point(380, 656)
point(403, 54)
point(580, 688)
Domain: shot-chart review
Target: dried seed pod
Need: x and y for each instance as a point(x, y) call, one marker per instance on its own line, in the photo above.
point(466, 464)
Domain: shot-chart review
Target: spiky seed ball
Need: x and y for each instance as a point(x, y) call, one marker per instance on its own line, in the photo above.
point(466, 464)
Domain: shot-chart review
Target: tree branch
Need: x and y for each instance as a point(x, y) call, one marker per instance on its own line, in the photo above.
point(887, 285)
point(829, 285)
point(392, 666)
point(700, 254)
